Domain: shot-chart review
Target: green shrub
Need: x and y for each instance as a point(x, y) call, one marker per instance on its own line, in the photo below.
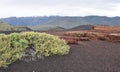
point(14, 46)
point(11, 48)
point(46, 44)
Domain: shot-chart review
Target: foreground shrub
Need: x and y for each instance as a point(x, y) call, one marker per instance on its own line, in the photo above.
point(46, 44)
point(11, 48)
point(16, 46)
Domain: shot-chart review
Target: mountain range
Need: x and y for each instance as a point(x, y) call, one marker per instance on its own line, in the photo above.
point(6, 27)
point(67, 22)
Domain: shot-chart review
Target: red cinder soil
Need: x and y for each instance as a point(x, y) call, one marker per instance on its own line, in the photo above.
point(87, 56)
point(107, 28)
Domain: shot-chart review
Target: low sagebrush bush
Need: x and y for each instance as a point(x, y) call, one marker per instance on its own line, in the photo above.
point(46, 44)
point(11, 48)
point(14, 46)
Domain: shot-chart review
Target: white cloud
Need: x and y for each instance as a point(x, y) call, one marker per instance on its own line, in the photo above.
point(59, 7)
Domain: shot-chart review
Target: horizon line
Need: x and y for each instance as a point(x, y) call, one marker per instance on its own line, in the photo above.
point(59, 16)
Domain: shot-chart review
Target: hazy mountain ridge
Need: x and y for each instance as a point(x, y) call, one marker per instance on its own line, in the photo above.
point(67, 22)
point(7, 27)
point(103, 20)
point(27, 21)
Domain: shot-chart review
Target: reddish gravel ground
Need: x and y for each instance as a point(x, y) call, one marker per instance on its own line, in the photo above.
point(88, 56)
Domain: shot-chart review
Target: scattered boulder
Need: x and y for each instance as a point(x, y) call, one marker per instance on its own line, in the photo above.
point(84, 39)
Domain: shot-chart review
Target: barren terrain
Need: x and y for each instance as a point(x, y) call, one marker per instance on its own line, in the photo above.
point(88, 56)
point(84, 56)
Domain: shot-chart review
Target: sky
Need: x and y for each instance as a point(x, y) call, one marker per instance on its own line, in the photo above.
point(23, 8)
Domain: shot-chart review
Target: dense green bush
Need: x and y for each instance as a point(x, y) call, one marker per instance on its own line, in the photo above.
point(46, 44)
point(13, 46)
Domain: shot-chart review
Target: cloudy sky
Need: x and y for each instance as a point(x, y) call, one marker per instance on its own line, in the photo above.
point(59, 7)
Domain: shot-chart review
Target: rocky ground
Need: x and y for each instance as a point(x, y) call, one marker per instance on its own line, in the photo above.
point(88, 56)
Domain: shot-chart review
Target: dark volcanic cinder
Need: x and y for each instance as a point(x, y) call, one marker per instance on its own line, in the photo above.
point(88, 56)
